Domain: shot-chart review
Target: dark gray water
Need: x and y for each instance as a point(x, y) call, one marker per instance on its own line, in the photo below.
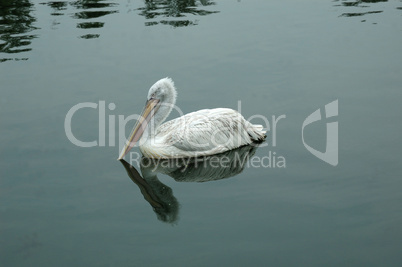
point(65, 205)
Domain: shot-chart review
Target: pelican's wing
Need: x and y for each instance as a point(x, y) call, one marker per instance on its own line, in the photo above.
point(207, 130)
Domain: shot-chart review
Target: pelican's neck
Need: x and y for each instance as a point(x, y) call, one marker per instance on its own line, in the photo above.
point(160, 116)
point(164, 91)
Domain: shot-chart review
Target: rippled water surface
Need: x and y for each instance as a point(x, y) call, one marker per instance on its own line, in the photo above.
point(65, 205)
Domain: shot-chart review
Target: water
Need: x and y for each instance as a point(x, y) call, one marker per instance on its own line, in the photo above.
point(66, 205)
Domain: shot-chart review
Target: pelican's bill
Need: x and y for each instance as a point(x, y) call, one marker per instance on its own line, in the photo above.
point(149, 111)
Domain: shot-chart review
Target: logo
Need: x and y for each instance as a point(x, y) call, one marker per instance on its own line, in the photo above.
point(330, 155)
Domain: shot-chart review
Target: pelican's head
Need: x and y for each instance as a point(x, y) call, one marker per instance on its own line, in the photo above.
point(163, 91)
point(160, 101)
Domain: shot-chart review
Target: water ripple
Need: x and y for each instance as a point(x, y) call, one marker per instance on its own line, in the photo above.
point(16, 26)
point(354, 8)
point(174, 9)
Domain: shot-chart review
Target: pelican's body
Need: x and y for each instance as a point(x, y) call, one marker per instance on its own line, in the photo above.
point(201, 133)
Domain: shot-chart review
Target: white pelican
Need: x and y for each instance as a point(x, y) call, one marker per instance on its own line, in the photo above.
point(201, 133)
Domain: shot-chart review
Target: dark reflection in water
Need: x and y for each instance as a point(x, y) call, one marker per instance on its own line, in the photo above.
point(203, 169)
point(358, 5)
point(92, 4)
point(89, 25)
point(85, 10)
point(16, 25)
point(91, 14)
point(174, 9)
point(361, 3)
point(17, 18)
point(89, 36)
point(357, 14)
point(57, 7)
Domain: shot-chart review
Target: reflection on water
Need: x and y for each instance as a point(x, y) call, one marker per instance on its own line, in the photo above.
point(84, 10)
point(82, 4)
point(362, 3)
point(204, 169)
point(174, 9)
point(357, 7)
point(359, 14)
point(16, 25)
point(157, 194)
point(57, 7)
point(17, 18)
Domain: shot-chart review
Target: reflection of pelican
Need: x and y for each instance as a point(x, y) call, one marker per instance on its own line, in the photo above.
point(160, 196)
point(202, 169)
point(200, 133)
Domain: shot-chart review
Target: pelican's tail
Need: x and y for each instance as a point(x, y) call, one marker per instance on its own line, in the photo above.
point(256, 132)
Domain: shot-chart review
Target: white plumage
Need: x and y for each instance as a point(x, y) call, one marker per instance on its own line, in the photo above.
point(200, 133)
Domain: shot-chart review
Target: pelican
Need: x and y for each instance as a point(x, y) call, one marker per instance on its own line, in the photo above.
point(200, 133)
